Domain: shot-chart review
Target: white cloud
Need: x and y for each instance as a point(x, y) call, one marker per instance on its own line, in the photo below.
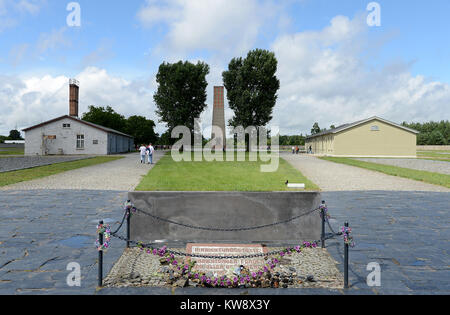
point(53, 40)
point(222, 26)
point(28, 101)
point(325, 79)
point(11, 11)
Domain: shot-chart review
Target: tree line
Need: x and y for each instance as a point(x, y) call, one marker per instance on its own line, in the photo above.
point(431, 133)
point(139, 127)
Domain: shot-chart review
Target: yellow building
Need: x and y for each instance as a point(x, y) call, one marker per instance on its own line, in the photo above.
point(373, 137)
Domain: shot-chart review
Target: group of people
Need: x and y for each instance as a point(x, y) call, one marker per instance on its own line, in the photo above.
point(147, 153)
point(296, 150)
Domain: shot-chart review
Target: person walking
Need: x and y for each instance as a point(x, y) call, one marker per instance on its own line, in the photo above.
point(143, 151)
point(150, 151)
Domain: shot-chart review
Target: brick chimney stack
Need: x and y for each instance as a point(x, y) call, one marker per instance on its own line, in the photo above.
point(219, 118)
point(73, 97)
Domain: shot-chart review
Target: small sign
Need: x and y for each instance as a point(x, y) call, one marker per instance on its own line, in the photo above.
point(296, 186)
point(224, 266)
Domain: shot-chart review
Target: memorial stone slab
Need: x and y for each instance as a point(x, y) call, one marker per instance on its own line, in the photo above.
point(226, 266)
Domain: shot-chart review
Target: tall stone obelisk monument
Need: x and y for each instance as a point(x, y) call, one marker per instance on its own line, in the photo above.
point(218, 122)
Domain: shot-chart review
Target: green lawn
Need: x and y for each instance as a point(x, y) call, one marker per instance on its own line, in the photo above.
point(12, 152)
point(435, 155)
point(168, 175)
point(423, 176)
point(14, 177)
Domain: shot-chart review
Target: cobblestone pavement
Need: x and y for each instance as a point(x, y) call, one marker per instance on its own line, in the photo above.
point(331, 176)
point(422, 165)
point(42, 231)
point(120, 175)
point(8, 164)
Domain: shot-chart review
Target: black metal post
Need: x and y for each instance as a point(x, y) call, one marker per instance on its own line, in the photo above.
point(100, 259)
point(128, 227)
point(323, 224)
point(346, 246)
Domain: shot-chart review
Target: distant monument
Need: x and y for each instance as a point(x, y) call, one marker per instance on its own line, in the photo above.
point(218, 122)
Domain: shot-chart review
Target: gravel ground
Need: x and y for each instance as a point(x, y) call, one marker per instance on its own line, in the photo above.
point(8, 164)
point(331, 176)
point(139, 269)
point(421, 165)
point(120, 175)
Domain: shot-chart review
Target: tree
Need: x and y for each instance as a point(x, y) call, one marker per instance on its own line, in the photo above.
point(316, 129)
point(252, 88)
point(15, 135)
point(333, 127)
point(106, 117)
point(142, 130)
point(431, 133)
point(181, 95)
point(436, 138)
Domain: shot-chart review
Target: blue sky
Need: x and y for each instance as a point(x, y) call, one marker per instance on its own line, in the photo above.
point(333, 67)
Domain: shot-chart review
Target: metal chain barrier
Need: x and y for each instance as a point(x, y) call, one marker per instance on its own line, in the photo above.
point(130, 208)
point(176, 253)
point(225, 229)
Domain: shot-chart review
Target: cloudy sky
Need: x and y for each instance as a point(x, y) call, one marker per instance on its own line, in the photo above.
point(334, 68)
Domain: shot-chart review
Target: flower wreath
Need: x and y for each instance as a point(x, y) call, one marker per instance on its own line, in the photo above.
point(324, 211)
point(129, 206)
point(348, 240)
point(106, 231)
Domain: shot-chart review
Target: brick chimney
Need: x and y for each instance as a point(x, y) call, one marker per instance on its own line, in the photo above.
point(73, 97)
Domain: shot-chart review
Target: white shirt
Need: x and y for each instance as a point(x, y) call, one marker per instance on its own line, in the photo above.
point(152, 149)
point(143, 150)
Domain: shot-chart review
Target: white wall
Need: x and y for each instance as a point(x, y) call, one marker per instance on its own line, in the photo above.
point(66, 139)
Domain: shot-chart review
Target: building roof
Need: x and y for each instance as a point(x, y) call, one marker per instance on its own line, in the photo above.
point(108, 130)
point(361, 122)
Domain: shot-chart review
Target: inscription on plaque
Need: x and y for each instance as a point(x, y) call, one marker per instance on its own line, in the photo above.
point(225, 266)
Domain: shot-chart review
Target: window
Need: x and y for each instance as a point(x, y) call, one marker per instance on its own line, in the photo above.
point(95, 142)
point(80, 142)
point(66, 125)
point(375, 128)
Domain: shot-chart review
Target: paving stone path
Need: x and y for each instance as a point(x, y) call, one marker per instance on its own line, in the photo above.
point(331, 176)
point(42, 231)
point(124, 174)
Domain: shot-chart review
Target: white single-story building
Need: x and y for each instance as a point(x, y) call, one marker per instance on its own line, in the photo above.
point(69, 135)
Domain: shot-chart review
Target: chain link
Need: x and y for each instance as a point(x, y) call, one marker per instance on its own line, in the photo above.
point(176, 253)
point(226, 229)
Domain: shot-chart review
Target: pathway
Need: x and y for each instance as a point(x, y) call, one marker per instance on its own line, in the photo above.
point(330, 176)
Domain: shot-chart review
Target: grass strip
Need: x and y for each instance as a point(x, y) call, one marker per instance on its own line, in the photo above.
point(422, 176)
point(169, 175)
point(14, 177)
